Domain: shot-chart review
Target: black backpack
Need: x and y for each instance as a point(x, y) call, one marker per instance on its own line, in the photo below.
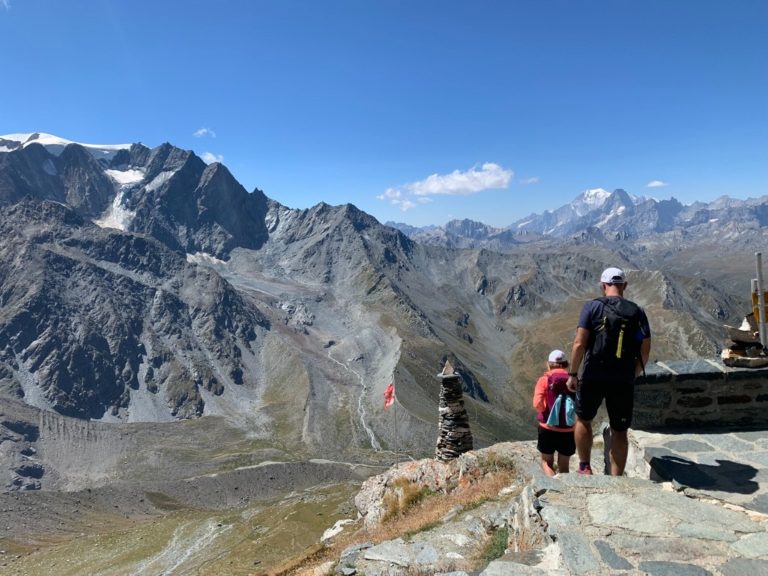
point(615, 342)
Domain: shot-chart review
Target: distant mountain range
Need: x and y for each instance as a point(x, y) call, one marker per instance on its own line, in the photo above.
point(615, 215)
point(142, 285)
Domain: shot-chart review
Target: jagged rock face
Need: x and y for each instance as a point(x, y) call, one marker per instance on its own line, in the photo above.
point(166, 192)
point(458, 234)
point(340, 246)
point(470, 229)
point(193, 207)
point(74, 177)
point(90, 317)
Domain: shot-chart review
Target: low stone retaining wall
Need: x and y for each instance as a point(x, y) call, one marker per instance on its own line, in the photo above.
point(701, 394)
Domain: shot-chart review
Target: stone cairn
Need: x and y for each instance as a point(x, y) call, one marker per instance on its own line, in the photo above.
point(454, 437)
point(742, 345)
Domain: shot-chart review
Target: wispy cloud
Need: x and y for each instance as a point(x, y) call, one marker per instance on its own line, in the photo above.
point(656, 184)
point(210, 157)
point(6, 4)
point(489, 176)
point(397, 198)
point(531, 180)
point(202, 132)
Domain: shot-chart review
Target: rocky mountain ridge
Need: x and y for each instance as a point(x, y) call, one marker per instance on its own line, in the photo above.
point(142, 285)
point(614, 215)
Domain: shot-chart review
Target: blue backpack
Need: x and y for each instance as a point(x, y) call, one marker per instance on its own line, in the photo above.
point(561, 402)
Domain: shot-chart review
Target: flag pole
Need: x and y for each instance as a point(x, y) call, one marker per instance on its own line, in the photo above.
point(761, 299)
point(394, 415)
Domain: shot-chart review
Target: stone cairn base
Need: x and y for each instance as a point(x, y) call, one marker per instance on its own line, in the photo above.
point(454, 437)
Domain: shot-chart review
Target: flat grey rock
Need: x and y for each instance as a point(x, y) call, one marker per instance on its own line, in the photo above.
point(688, 446)
point(744, 566)
point(703, 532)
point(577, 554)
point(504, 568)
point(625, 512)
point(557, 517)
point(729, 443)
point(759, 503)
point(654, 568)
point(394, 551)
point(667, 548)
point(752, 545)
point(611, 558)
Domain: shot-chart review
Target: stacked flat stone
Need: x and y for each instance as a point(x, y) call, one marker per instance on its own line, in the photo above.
point(454, 436)
point(743, 348)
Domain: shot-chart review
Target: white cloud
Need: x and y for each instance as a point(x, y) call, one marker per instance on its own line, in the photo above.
point(201, 132)
point(390, 194)
point(489, 176)
point(531, 180)
point(656, 184)
point(395, 197)
point(6, 4)
point(210, 157)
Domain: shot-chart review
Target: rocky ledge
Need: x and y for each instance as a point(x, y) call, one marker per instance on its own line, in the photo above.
point(566, 525)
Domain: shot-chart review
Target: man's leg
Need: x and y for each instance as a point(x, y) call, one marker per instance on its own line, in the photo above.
point(563, 463)
point(620, 404)
point(618, 452)
point(589, 396)
point(583, 435)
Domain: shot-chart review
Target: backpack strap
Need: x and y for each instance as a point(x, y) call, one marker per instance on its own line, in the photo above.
point(554, 413)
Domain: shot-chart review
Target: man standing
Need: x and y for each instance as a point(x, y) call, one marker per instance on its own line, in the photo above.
point(612, 345)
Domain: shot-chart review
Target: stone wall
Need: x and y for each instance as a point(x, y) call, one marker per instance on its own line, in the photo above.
point(701, 394)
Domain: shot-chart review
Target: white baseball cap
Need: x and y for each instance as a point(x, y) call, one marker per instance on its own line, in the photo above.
point(557, 357)
point(613, 276)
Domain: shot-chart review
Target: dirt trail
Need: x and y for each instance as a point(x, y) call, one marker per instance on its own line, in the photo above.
point(189, 540)
point(361, 412)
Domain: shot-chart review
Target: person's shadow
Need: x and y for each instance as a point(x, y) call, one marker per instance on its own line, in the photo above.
point(727, 476)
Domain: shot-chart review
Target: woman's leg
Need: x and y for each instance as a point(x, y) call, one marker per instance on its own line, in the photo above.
point(548, 463)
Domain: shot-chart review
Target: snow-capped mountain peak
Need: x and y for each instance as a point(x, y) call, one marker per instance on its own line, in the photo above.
point(589, 200)
point(55, 144)
point(595, 197)
point(615, 215)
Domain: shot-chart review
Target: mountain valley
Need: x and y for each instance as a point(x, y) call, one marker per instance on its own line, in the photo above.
point(165, 332)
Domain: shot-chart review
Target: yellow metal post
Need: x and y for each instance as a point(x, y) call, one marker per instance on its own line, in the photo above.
point(761, 299)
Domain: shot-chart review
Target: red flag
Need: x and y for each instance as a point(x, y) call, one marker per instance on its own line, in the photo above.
point(389, 396)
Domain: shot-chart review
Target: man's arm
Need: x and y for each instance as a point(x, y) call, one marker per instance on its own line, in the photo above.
point(577, 354)
point(645, 353)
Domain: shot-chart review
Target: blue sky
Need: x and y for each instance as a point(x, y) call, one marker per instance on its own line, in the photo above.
point(415, 111)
